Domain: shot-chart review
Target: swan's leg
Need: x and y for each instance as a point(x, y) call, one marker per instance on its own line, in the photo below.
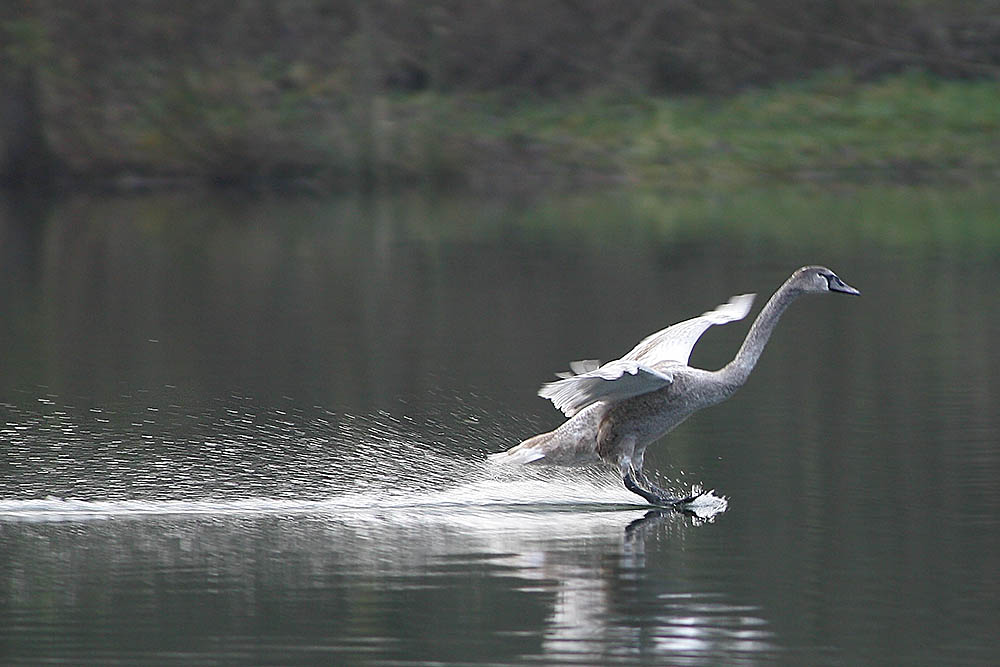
point(629, 459)
point(651, 497)
point(666, 496)
point(652, 493)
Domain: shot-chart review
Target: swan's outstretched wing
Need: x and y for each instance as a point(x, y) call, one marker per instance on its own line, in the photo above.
point(614, 381)
point(645, 368)
point(676, 342)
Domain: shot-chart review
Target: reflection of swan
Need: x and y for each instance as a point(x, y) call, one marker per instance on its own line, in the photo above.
point(616, 410)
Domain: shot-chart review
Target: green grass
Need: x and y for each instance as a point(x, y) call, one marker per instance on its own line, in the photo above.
point(831, 128)
point(905, 128)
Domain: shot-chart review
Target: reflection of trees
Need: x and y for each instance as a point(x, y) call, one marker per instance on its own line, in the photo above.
point(145, 289)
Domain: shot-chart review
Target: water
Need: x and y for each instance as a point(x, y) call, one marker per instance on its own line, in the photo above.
point(255, 431)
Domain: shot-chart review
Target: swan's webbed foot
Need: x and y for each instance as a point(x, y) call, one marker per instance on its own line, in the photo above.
point(654, 495)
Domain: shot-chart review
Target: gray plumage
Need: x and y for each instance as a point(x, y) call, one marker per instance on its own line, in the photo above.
point(639, 371)
point(617, 409)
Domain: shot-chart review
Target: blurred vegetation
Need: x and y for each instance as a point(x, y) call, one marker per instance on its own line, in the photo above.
point(494, 95)
point(920, 220)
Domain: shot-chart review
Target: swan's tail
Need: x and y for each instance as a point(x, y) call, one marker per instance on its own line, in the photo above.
point(529, 451)
point(572, 444)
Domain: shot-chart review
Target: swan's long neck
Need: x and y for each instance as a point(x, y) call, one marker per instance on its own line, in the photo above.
point(738, 370)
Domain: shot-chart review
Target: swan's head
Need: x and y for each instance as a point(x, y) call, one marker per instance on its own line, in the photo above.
point(821, 279)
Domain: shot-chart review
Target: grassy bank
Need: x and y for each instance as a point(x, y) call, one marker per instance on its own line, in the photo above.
point(228, 129)
point(907, 128)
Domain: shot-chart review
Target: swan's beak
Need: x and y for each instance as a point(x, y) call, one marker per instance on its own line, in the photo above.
point(838, 285)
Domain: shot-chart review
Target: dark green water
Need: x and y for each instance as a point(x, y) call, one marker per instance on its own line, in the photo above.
point(254, 431)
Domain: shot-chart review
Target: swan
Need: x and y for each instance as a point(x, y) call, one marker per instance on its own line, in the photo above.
point(617, 409)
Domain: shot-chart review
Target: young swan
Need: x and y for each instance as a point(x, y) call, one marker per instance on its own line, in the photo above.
point(617, 409)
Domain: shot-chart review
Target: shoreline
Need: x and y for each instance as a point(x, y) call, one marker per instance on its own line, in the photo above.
point(909, 128)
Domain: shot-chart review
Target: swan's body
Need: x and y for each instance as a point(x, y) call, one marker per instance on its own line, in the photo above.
point(616, 410)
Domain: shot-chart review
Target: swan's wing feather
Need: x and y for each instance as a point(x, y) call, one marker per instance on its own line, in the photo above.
point(584, 366)
point(614, 381)
point(579, 367)
point(676, 342)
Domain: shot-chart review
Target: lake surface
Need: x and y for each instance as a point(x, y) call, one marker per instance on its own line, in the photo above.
point(254, 430)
